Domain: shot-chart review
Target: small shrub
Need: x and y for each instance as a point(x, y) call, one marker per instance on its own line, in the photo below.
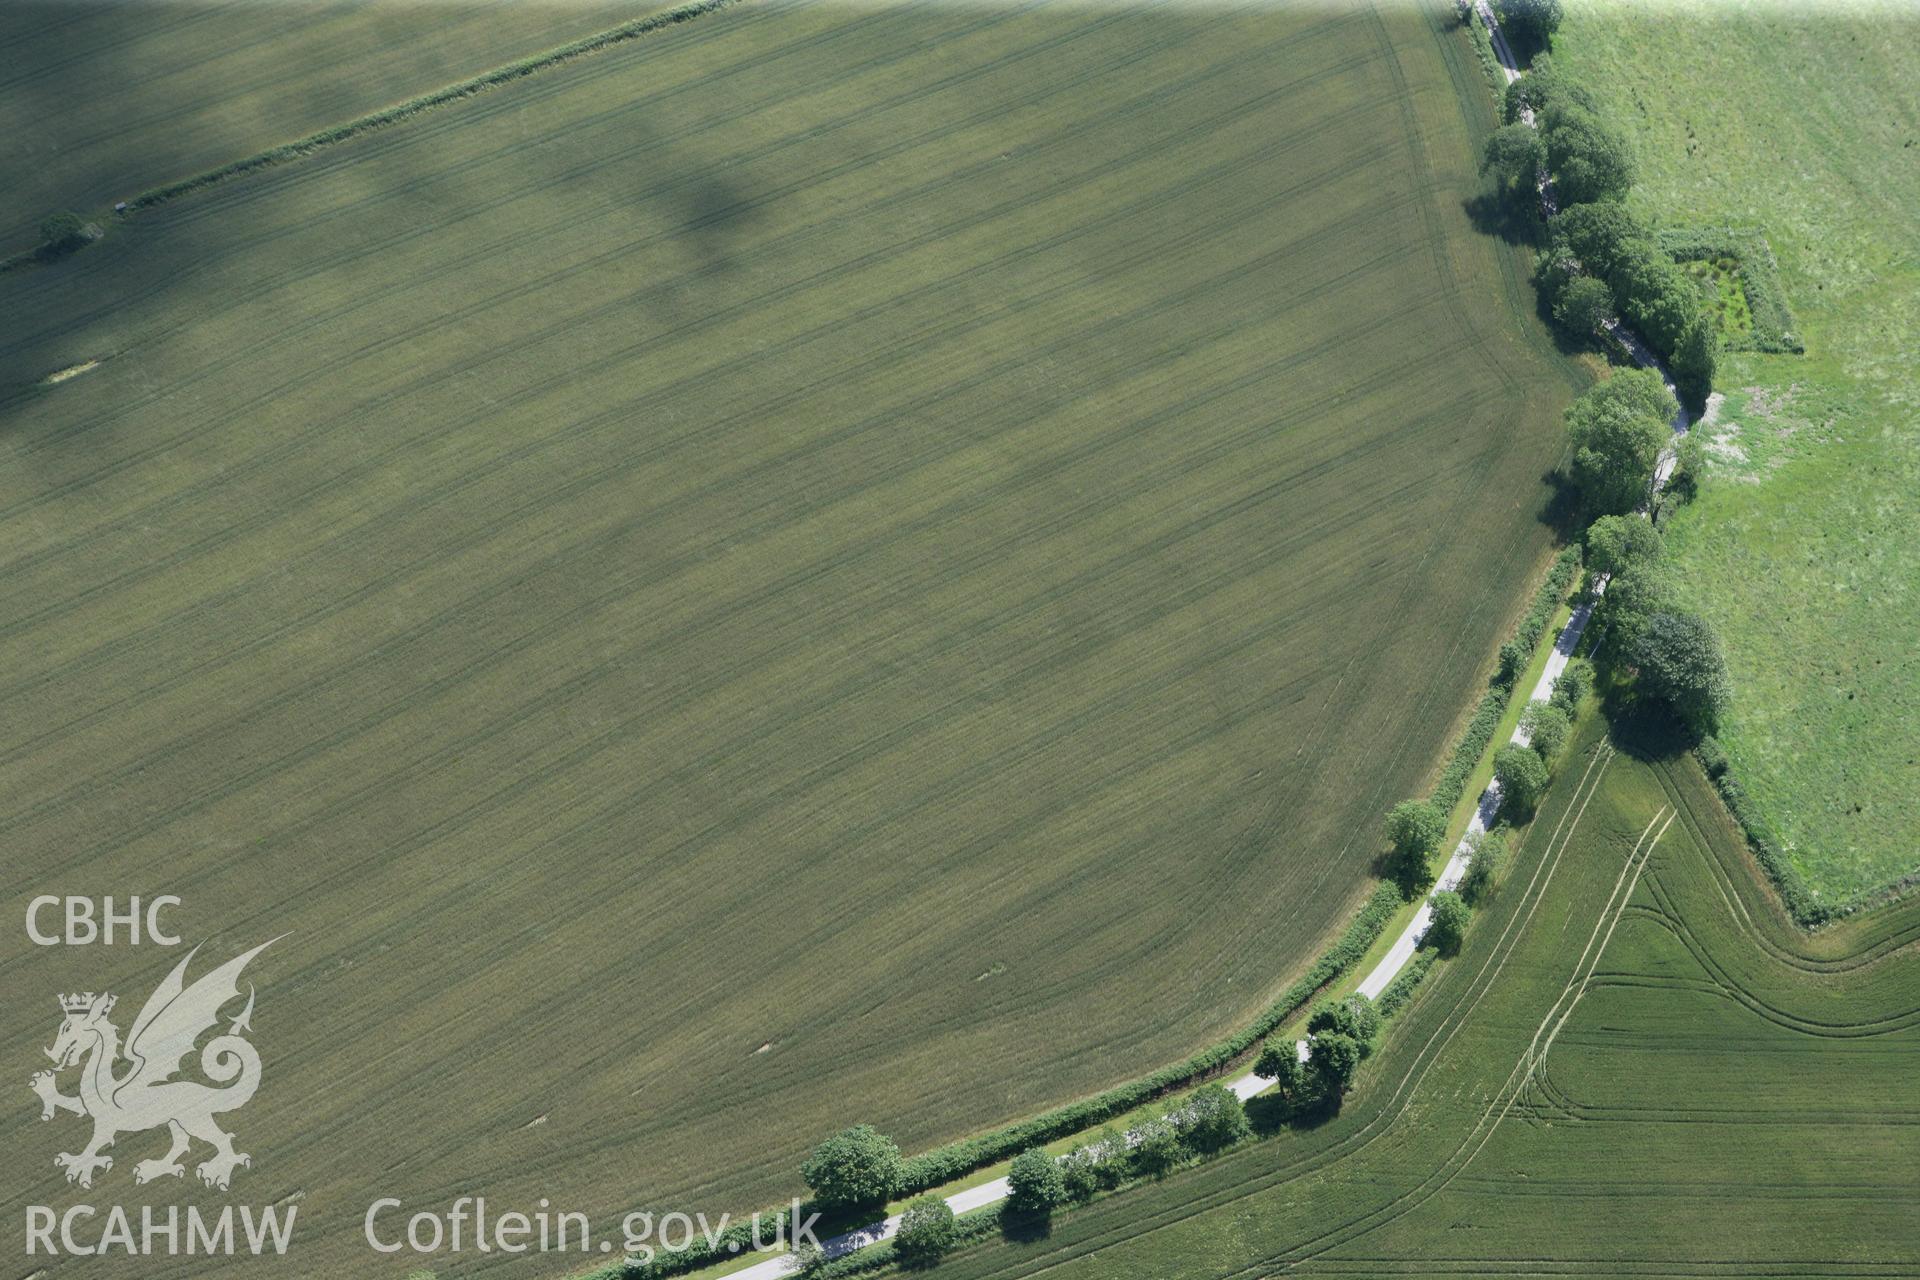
point(1448, 927)
point(1215, 1119)
point(1080, 1173)
point(857, 1166)
point(61, 233)
point(1156, 1147)
point(1400, 990)
point(1522, 776)
point(1485, 862)
point(1573, 686)
point(926, 1232)
point(1332, 1060)
point(1035, 1183)
point(1713, 757)
point(1689, 467)
point(1546, 727)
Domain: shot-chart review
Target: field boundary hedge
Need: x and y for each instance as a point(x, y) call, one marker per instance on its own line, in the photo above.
point(958, 1159)
point(1401, 989)
point(1802, 904)
point(1774, 330)
point(399, 111)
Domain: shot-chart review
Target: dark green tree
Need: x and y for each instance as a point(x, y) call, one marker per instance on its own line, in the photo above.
point(1448, 927)
point(1583, 307)
point(1654, 295)
point(61, 233)
point(1279, 1061)
point(1530, 23)
point(1615, 543)
point(1513, 658)
point(1035, 1182)
point(857, 1166)
point(1637, 593)
point(1542, 86)
point(1352, 1016)
point(1694, 358)
point(1514, 154)
point(926, 1231)
point(1617, 430)
point(1331, 1061)
point(1522, 775)
point(1589, 159)
point(1681, 663)
point(1415, 829)
point(1601, 236)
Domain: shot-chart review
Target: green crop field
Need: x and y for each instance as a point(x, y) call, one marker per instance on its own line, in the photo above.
point(825, 564)
point(99, 101)
point(1807, 125)
point(1636, 1067)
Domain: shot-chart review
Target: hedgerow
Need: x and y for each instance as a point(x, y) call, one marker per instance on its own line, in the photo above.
point(1806, 910)
point(1486, 717)
point(960, 1158)
point(439, 97)
point(1401, 989)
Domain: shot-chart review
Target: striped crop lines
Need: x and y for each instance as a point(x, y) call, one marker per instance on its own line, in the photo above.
point(1015, 467)
point(1267, 372)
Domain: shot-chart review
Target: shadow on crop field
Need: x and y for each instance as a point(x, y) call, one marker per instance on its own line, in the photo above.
point(715, 213)
point(1561, 511)
point(1025, 1228)
point(1645, 729)
point(45, 78)
point(1493, 216)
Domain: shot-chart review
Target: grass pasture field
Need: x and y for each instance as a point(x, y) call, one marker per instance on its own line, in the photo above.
point(1636, 1067)
point(100, 101)
point(836, 563)
point(1806, 124)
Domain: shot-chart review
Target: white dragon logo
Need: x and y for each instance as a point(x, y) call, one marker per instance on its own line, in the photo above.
point(146, 1095)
